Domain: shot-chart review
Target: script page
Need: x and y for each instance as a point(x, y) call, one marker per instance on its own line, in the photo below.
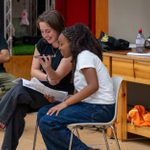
point(36, 85)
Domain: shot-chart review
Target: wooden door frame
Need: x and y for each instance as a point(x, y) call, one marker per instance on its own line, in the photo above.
point(101, 21)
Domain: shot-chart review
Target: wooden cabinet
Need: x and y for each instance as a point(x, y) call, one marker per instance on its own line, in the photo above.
point(123, 67)
point(142, 69)
point(106, 61)
point(134, 69)
point(20, 66)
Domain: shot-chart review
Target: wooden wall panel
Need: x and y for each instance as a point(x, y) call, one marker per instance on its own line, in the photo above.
point(101, 16)
point(20, 66)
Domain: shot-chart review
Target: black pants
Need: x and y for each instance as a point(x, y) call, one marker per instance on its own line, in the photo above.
point(14, 106)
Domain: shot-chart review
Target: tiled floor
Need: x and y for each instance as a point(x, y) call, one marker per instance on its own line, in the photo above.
point(90, 137)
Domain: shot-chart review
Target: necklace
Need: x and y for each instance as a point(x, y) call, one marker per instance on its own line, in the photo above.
point(54, 52)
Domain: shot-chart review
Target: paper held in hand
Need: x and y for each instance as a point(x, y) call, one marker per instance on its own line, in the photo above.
point(36, 85)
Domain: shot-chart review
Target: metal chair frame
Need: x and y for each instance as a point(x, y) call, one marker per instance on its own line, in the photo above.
point(101, 126)
point(35, 136)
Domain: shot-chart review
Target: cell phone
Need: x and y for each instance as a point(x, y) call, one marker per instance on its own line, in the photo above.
point(39, 56)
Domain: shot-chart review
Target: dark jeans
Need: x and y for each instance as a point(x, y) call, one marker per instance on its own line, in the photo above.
point(54, 129)
point(14, 106)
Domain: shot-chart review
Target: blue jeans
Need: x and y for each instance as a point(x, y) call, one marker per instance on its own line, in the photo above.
point(54, 129)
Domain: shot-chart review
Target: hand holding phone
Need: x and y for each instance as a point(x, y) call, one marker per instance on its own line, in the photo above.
point(40, 56)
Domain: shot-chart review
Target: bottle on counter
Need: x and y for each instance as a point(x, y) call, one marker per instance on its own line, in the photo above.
point(140, 40)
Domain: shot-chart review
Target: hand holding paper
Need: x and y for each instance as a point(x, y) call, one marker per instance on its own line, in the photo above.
point(36, 85)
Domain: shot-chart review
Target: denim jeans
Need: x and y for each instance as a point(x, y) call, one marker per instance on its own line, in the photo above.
point(54, 129)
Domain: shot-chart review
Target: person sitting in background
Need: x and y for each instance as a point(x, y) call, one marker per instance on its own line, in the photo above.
point(94, 99)
point(5, 78)
point(54, 73)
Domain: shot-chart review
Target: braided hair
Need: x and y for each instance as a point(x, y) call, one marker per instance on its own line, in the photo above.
point(81, 38)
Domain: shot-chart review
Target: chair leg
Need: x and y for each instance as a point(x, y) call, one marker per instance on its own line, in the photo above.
point(116, 139)
point(71, 138)
point(35, 136)
point(105, 139)
point(78, 135)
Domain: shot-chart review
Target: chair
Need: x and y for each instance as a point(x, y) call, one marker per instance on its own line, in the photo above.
point(100, 126)
point(35, 136)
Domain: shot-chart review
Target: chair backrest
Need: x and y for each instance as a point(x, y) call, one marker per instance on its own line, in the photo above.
point(116, 86)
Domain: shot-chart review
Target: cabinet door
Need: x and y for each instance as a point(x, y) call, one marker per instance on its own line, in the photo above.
point(123, 67)
point(142, 71)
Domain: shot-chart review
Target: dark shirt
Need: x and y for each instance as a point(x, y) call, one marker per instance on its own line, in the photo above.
point(45, 48)
point(3, 45)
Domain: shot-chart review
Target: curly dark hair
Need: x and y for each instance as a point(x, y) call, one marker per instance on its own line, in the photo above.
point(81, 39)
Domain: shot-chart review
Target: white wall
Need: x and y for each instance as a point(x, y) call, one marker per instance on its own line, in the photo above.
point(126, 16)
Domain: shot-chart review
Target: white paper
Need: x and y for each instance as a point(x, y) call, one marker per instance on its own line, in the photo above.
point(36, 85)
point(139, 54)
